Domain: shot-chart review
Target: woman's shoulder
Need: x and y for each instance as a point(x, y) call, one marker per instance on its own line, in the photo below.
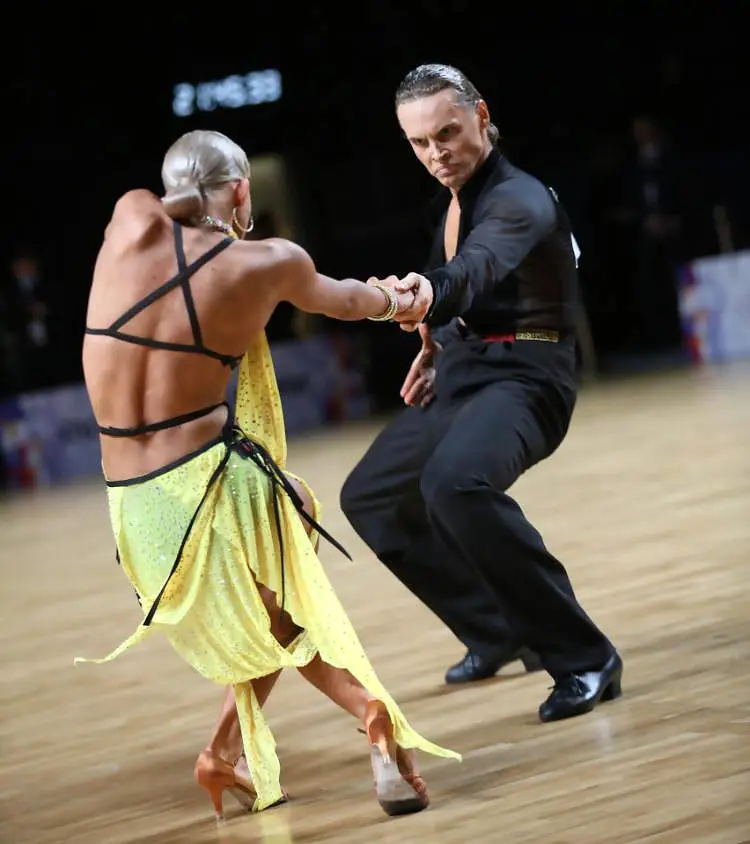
point(137, 211)
point(138, 197)
point(138, 201)
point(274, 252)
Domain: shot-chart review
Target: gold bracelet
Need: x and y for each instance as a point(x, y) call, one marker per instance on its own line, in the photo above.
point(391, 304)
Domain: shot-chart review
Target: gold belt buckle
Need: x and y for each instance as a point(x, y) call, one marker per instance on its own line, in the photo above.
point(541, 335)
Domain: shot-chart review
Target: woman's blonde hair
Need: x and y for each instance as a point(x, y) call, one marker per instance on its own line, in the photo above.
point(194, 166)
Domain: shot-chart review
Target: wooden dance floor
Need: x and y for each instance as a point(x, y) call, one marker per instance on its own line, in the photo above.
point(647, 503)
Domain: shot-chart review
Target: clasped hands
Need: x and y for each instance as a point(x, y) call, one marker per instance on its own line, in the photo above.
point(414, 293)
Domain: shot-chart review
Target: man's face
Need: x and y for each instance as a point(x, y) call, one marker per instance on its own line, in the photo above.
point(447, 136)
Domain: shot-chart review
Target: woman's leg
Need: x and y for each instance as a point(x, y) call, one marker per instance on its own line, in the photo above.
point(400, 788)
point(221, 764)
point(226, 740)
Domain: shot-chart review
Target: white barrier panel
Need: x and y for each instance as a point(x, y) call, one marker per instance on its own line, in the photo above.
point(714, 297)
point(50, 437)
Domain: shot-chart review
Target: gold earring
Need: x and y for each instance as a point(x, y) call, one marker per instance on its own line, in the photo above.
point(236, 223)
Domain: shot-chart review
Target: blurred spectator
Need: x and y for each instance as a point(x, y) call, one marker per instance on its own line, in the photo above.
point(10, 366)
point(25, 325)
point(652, 209)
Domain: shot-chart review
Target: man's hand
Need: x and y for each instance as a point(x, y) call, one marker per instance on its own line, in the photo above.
point(404, 295)
point(419, 385)
point(421, 289)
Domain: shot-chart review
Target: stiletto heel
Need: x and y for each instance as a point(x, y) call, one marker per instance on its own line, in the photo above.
point(214, 774)
point(399, 787)
point(215, 793)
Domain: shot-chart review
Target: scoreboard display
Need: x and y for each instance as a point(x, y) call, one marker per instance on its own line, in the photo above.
point(232, 92)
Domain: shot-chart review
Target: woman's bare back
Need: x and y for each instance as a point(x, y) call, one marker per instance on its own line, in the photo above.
point(211, 320)
point(132, 385)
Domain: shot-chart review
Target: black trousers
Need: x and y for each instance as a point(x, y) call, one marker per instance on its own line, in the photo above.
point(429, 498)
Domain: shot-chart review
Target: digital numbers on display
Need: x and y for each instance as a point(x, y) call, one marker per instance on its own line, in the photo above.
point(237, 91)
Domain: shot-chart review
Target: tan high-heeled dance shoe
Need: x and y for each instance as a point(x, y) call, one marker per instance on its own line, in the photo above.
point(217, 775)
point(398, 783)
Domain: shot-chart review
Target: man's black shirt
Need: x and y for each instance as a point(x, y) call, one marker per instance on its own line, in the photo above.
point(515, 266)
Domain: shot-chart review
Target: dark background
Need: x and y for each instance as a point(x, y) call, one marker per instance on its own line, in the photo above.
point(88, 115)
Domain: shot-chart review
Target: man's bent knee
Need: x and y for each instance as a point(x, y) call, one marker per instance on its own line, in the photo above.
point(444, 487)
point(451, 474)
point(351, 495)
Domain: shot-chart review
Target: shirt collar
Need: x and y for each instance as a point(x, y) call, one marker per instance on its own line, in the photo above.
point(478, 179)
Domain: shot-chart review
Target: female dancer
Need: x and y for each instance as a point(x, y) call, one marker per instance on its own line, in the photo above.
point(204, 517)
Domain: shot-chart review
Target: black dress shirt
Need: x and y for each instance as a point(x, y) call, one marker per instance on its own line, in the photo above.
point(515, 266)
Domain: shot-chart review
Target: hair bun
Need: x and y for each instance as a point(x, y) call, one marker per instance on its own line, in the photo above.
point(183, 203)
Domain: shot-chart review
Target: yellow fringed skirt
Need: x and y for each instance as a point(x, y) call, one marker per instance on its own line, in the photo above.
point(193, 539)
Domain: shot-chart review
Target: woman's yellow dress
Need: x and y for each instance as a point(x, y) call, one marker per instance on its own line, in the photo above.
point(194, 538)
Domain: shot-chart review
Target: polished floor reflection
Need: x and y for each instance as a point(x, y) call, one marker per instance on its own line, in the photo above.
point(647, 502)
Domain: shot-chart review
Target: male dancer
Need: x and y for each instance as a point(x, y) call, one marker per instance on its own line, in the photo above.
point(429, 496)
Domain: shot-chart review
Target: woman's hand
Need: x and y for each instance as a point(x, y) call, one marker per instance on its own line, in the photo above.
point(420, 300)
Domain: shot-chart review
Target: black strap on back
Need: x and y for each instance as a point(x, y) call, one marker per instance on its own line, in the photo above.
point(182, 268)
point(182, 279)
point(185, 272)
point(173, 422)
